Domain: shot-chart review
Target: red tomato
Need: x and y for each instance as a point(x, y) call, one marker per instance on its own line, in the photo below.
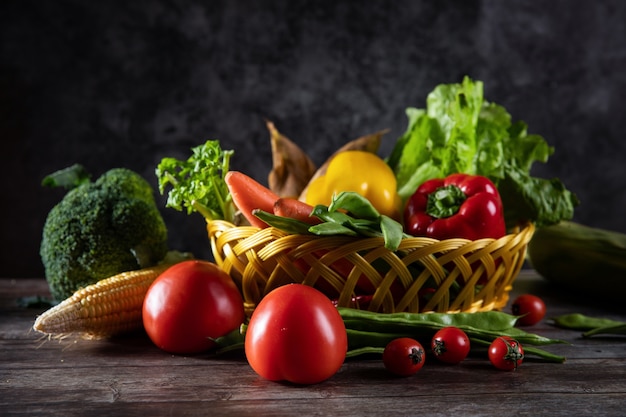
point(450, 345)
point(189, 305)
point(506, 353)
point(531, 309)
point(404, 356)
point(296, 334)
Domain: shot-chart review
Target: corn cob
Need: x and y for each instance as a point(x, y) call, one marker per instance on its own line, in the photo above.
point(109, 307)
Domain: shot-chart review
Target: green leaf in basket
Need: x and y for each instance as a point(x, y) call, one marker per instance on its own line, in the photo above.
point(332, 229)
point(366, 228)
point(355, 204)
point(392, 232)
point(325, 215)
point(349, 214)
point(286, 224)
point(363, 220)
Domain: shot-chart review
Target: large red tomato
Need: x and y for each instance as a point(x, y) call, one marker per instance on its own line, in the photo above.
point(189, 305)
point(296, 334)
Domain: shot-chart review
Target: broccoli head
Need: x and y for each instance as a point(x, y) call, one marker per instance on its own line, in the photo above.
point(100, 229)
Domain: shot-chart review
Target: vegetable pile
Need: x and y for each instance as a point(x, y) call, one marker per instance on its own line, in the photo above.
point(460, 132)
point(461, 170)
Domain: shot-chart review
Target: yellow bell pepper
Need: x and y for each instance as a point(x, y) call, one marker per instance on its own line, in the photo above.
point(362, 172)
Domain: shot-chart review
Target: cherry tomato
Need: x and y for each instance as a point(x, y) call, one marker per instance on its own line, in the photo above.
point(191, 304)
point(450, 345)
point(296, 334)
point(531, 309)
point(506, 353)
point(404, 356)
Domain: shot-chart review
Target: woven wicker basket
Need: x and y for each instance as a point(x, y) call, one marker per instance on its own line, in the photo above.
point(423, 275)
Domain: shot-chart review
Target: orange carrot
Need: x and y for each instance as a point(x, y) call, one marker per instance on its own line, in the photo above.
point(248, 195)
point(295, 209)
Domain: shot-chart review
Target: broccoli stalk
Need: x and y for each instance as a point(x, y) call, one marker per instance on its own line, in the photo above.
point(100, 229)
point(68, 178)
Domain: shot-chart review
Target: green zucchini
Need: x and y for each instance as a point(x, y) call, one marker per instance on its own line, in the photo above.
point(580, 258)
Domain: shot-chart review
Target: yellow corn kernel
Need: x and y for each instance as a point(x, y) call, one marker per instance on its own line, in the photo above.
point(109, 307)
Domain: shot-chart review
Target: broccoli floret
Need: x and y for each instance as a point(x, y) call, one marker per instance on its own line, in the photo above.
point(100, 229)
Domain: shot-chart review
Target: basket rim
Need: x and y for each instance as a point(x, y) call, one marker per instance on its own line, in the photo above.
point(522, 230)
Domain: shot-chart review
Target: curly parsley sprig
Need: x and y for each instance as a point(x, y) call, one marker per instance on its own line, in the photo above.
point(197, 184)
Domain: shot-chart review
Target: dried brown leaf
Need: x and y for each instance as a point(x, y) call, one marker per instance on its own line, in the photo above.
point(292, 168)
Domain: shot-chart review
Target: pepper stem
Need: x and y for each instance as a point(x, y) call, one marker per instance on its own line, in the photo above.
point(445, 201)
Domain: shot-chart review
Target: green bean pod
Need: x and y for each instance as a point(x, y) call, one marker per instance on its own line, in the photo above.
point(577, 321)
point(592, 326)
point(369, 332)
point(488, 320)
point(484, 325)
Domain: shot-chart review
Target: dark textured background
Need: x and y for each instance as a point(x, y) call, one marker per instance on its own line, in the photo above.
point(117, 83)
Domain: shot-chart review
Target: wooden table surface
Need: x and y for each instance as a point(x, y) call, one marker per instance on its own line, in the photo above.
point(130, 377)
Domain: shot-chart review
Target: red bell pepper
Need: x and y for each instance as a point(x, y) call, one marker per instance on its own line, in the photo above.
point(458, 206)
